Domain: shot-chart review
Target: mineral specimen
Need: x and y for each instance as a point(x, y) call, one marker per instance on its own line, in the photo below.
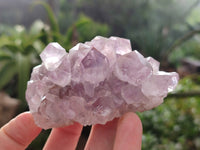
point(94, 83)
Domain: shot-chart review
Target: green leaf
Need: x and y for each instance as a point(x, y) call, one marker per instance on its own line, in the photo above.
point(23, 68)
point(6, 73)
point(4, 40)
point(38, 46)
point(82, 21)
point(12, 47)
point(51, 16)
point(5, 57)
point(29, 49)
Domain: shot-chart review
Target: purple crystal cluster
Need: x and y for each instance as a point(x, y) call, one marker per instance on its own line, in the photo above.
point(94, 83)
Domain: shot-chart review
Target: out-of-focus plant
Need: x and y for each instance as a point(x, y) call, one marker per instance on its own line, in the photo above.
point(189, 44)
point(19, 51)
point(85, 29)
point(175, 124)
point(152, 26)
point(191, 49)
point(67, 14)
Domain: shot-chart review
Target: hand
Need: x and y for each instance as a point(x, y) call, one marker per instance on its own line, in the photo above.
point(120, 134)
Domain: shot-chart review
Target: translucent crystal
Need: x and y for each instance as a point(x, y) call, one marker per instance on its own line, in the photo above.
point(52, 56)
point(94, 83)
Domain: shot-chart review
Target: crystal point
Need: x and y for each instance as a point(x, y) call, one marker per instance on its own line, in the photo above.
point(52, 56)
point(94, 83)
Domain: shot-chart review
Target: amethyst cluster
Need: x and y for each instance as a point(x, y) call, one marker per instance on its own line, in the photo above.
point(94, 83)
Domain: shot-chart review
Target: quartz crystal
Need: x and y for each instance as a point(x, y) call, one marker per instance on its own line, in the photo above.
point(94, 83)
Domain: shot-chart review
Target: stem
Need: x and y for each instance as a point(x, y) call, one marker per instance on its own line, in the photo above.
point(185, 94)
point(180, 41)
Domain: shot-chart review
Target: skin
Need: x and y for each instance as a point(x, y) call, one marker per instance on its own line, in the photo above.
point(124, 133)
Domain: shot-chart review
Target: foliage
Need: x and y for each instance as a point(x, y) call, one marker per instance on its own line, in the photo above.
point(18, 53)
point(193, 18)
point(152, 25)
point(67, 14)
point(191, 48)
point(175, 124)
point(85, 29)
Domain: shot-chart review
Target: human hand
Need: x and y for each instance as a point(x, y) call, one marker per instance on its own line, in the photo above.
point(120, 134)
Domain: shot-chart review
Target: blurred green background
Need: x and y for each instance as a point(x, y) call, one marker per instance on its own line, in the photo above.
point(168, 30)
